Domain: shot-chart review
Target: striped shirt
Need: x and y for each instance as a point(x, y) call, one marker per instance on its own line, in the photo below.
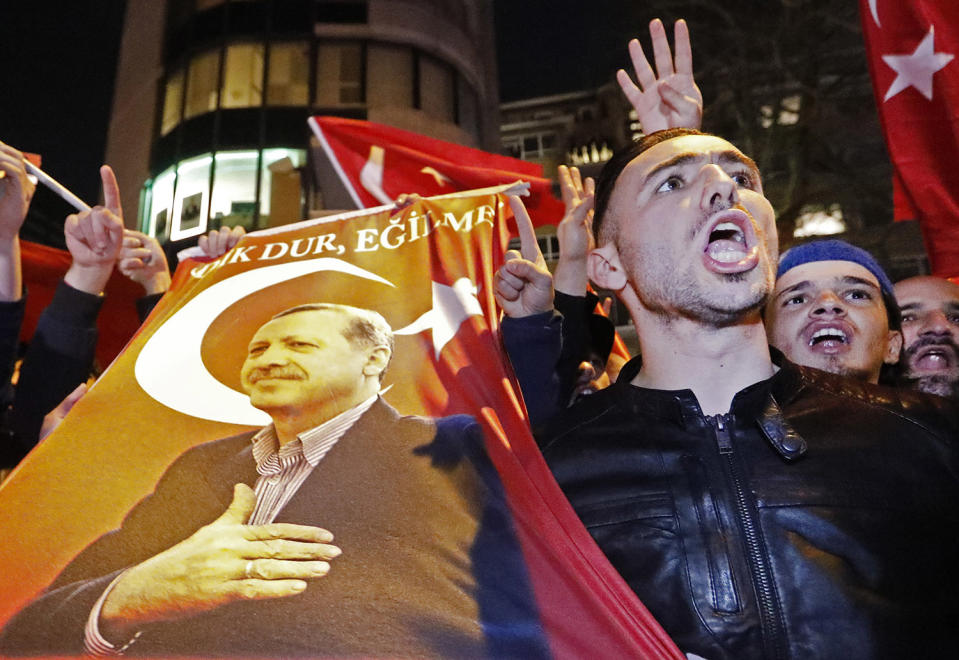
point(282, 471)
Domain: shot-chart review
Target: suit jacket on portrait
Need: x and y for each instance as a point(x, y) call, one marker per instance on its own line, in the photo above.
point(430, 567)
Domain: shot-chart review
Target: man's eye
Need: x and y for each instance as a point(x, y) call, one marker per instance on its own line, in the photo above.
point(858, 294)
point(798, 299)
point(743, 179)
point(257, 350)
point(672, 183)
point(302, 345)
point(908, 318)
point(953, 318)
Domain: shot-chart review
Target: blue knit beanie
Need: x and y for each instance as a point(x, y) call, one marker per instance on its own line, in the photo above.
point(836, 250)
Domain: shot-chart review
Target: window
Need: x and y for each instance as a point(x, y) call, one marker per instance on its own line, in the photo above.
point(289, 74)
point(468, 108)
point(157, 223)
point(172, 102)
point(234, 189)
point(280, 186)
point(339, 74)
point(536, 145)
point(191, 198)
point(202, 84)
point(242, 76)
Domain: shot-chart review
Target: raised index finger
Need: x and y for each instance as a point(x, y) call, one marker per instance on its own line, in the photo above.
point(111, 191)
point(529, 247)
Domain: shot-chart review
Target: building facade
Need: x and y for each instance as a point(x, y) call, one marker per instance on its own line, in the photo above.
point(212, 96)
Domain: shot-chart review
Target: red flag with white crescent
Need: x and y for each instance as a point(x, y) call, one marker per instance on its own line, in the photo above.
point(912, 47)
point(377, 163)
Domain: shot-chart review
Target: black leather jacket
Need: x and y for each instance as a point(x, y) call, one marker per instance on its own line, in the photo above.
point(817, 519)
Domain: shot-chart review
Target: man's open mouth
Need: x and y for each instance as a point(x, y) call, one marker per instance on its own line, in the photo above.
point(828, 338)
point(934, 357)
point(731, 243)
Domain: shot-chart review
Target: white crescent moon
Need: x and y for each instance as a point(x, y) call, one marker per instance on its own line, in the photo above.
point(170, 368)
point(875, 12)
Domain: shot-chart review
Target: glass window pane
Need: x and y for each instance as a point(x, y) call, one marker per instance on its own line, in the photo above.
point(161, 201)
point(192, 194)
point(280, 190)
point(201, 84)
point(172, 102)
point(389, 76)
point(339, 74)
point(289, 74)
point(242, 76)
point(436, 89)
point(234, 189)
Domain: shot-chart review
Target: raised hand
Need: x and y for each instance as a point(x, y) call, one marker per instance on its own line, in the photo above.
point(218, 242)
point(53, 418)
point(16, 191)
point(94, 238)
point(523, 284)
point(222, 562)
point(142, 260)
point(669, 98)
point(574, 231)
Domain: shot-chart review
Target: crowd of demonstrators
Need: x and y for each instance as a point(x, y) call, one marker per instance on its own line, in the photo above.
point(759, 508)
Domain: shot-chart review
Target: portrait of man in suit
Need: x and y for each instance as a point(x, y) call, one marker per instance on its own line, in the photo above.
point(341, 528)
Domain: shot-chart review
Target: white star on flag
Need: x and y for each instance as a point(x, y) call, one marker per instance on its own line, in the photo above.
point(916, 70)
point(451, 306)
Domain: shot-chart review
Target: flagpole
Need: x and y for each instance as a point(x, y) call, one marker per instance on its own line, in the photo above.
point(56, 187)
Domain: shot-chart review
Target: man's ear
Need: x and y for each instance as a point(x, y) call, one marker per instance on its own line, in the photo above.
point(376, 361)
point(605, 269)
point(893, 347)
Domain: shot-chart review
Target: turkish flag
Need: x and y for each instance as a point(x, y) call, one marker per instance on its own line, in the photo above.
point(377, 163)
point(176, 391)
point(912, 47)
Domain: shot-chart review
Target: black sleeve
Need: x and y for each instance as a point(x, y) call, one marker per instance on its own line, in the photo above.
point(60, 357)
point(533, 344)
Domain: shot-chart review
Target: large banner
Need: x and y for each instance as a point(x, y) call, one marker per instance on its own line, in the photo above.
point(912, 47)
point(290, 366)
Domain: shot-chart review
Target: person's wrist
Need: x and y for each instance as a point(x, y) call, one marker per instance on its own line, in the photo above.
point(89, 278)
point(156, 283)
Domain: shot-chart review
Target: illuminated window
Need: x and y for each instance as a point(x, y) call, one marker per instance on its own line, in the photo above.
point(289, 74)
point(157, 223)
point(201, 84)
point(242, 76)
point(192, 195)
point(172, 102)
point(280, 186)
point(234, 189)
point(436, 89)
point(339, 74)
point(820, 221)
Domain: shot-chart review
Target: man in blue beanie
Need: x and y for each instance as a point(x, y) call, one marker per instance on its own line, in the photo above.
point(833, 308)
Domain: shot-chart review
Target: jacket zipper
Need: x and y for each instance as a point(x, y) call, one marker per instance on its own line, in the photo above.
point(773, 632)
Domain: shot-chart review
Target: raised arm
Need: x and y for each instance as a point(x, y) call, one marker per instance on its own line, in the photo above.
point(668, 98)
point(574, 232)
point(524, 286)
point(94, 238)
point(16, 191)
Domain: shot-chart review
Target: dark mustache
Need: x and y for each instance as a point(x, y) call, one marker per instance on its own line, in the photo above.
point(924, 342)
point(286, 372)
